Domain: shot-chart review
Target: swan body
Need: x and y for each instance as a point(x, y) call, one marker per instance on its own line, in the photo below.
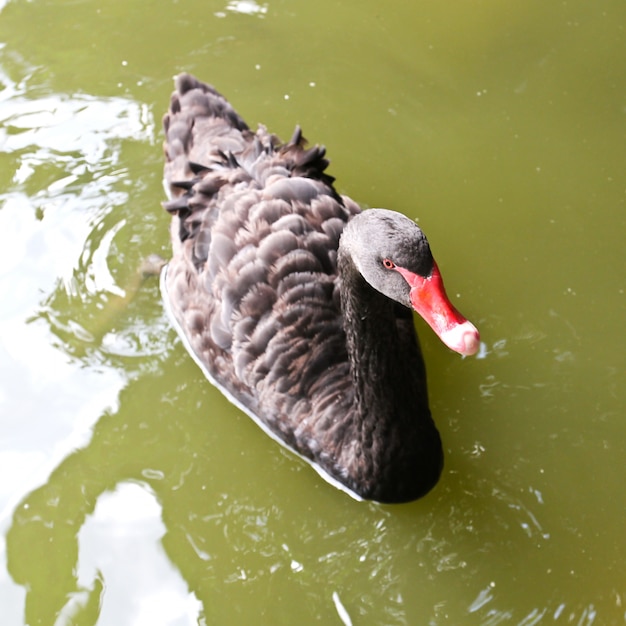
point(297, 304)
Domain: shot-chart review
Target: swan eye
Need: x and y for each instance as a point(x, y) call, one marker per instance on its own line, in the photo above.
point(388, 264)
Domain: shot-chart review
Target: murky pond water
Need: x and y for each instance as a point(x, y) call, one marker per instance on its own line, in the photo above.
point(131, 492)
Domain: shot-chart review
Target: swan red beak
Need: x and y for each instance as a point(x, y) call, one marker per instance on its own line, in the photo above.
point(429, 299)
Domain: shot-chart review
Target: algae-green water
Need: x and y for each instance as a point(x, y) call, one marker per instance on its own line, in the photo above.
point(132, 492)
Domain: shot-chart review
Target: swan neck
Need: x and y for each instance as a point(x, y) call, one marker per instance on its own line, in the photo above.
point(397, 437)
point(372, 342)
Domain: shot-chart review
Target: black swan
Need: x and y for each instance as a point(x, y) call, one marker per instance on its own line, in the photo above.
point(297, 305)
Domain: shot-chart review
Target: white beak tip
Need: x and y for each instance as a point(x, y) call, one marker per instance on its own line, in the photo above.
point(463, 338)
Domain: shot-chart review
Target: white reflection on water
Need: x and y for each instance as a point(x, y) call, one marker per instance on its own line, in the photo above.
point(120, 543)
point(246, 7)
point(341, 610)
point(58, 125)
point(64, 152)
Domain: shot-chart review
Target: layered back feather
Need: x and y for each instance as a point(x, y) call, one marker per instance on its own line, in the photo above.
point(253, 283)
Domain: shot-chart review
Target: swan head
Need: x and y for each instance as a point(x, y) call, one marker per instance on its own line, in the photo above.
point(393, 255)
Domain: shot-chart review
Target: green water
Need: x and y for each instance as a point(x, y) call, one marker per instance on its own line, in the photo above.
point(132, 493)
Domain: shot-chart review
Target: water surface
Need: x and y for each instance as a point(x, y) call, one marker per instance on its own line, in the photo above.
point(131, 492)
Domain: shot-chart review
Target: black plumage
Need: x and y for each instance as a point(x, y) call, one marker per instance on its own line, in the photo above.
point(279, 316)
